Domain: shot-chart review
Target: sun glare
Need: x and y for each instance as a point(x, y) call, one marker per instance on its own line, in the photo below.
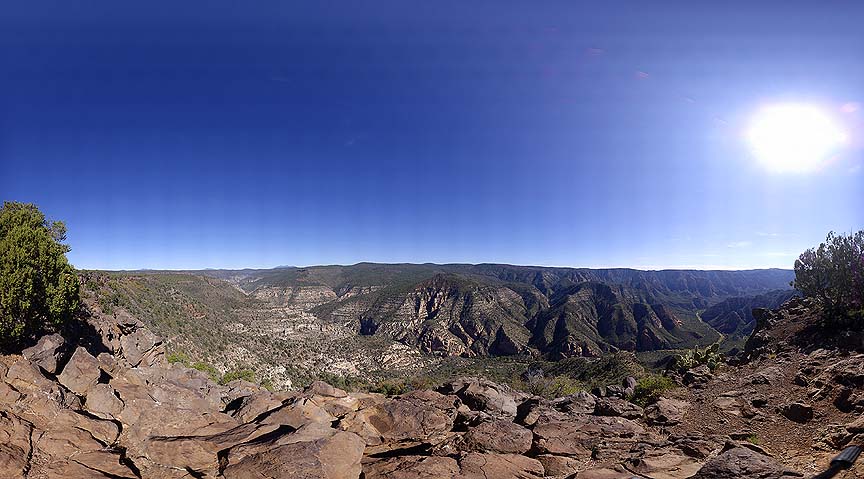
point(794, 137)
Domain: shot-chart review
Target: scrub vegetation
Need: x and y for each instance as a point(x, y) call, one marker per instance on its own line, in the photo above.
point(38, 286)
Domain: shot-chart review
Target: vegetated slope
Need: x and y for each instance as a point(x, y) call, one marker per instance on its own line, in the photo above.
point(588, 318)
point(361, 320)
point(734, 316)
point(210, 320)
point(491, 309)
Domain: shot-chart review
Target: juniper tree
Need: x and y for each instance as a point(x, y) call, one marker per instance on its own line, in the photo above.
point(38, 286)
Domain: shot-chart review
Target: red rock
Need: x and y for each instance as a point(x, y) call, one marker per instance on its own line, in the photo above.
point(80, 373)
point(499, 436)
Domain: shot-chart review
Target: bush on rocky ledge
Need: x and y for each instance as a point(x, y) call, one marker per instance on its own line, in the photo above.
point(833, 273)
point(650, 388)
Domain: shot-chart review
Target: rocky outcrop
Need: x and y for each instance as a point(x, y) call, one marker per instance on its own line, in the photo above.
point(124, 413)
point(452, 315)
point(46, 353)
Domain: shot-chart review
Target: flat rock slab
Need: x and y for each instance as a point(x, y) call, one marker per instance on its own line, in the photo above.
point(743, 463)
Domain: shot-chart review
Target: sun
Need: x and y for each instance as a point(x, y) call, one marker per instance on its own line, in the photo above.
point(794, 137)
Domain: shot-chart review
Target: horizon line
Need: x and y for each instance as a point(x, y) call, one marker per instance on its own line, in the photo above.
point(593, 267)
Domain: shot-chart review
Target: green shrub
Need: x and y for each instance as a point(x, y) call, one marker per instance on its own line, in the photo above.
point(561, 386)
point(179, 357)
point(833, 273)
point(391, 387)
point(347, 383)
point(650, 388)
point(549, 387)
point(38, 286)
point(210, 370)
point(244, 374)
point(709, 356)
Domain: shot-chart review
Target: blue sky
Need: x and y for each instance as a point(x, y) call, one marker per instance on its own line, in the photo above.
point(256, 134)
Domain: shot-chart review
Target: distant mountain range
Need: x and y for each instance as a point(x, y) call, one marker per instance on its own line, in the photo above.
point(366, 317)
point(492, 309)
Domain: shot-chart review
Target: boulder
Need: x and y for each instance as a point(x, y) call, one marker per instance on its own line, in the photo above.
point(109, 463)
point(698, 445)
point(412, 467)
point(46, 353)
point(252, 406)
point(617, 407)
point(697, 377)
point(15, 446)
point(666, 412)
point(142, 348)
point(758, 400)
point(75, 445)
point(664, 463)
point(532, 409)
point(103, 401)
point(336, 406)
point(744, 463)
point(579, 403)
point(72, 469)
point(560, 466)
point(411, 419)
point(500, 436)
point(199, 453)
point(300, 412)
point(335, 457)
point(482, 395)
point(25, 377)
point(80, 373)
point(617, 472)
point(473, 465)
point(769, 375)
point(833, 437)
point(321, 388)
point(7, 394)
point(616, 391)
point(500, 466)
point(236, 389)
point(856, 426)
point(797, 411)
point(466, 418)
point(731, 402)
point(584, 436)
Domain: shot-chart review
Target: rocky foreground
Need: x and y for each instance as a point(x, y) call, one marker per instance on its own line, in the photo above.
point(114, 408)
